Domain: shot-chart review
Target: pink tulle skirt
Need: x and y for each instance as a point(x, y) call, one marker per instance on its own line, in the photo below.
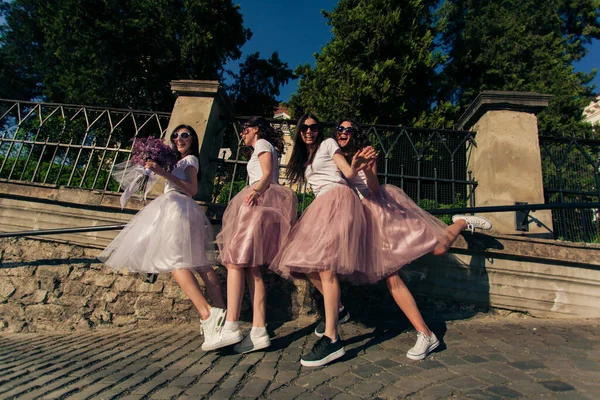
point(252, 235)
point(398, 232)
point(328, 236)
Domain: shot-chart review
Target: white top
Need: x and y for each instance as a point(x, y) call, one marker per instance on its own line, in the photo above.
point(359, 184)
point(323, 171)
point(253, 167)
point(179, 171)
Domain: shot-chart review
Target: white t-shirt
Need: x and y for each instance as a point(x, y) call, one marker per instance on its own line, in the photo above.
point(323, 171)
point(359, 184)
point(253, 167)
point(179, 171)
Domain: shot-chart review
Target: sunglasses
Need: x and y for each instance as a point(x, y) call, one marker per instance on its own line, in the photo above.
point(305, 128)
point(349, 130)
point(182, 135)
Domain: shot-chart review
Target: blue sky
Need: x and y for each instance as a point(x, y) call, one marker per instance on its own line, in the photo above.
point(297, 30)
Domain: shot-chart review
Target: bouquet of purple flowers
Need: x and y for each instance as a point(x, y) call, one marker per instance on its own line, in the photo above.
point(154, 149)
point(132, 175)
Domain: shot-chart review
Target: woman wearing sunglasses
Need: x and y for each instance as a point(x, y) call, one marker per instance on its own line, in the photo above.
point(172, 234)
point(328, 239)
point(398, 232)
point(255, 225)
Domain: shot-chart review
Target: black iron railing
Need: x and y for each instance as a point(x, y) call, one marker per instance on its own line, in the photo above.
point(70, 145)
point(571, 172)
point(430, 165)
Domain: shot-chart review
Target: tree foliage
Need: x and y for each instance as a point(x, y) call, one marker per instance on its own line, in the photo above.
point(379, 66)
point(118, 53)
point(256, 85)
point(520, 45)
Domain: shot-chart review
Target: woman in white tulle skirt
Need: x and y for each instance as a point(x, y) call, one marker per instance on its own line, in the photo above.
point(328, 239)
point(398, 232)
point(256, 223)
point(172, 234)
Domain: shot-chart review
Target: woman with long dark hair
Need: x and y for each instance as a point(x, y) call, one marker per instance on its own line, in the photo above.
point(172, 234)
point(328, 238)
point(398, 232)
point(255, 225)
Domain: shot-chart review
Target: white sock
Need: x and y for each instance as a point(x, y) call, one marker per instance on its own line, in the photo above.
point(341, 309)
point(258, 331)
point(231, 326)
point(334, 340)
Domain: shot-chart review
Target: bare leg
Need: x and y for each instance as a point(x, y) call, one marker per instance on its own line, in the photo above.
point(258, 295)
point(406, 302)
point(315, 279)
point(235, 292)
point(331, 297)
point(213, 285)
point(452, 233)
point(189, 284)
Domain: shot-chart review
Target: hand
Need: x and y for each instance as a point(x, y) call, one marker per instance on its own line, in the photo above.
point(154, 167)
point(363, 158)
point(250, 200)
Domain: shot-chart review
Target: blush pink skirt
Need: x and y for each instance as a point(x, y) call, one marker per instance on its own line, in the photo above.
point(328, 236)
point(398, 232)
point(251, 236)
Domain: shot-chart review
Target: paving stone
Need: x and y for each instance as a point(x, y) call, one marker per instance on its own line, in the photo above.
point(254, 388)
point(526, 365)
point(474, 359)
point(465, 383)
point(327, 392)
point(365, 389)
point(557, 386)
point(436, 392)
point(366, 370)
point(199, 389)
point(312, 379)
point(345, 381)
point(504, 392)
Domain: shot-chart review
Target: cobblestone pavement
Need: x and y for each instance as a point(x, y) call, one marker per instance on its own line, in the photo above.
point(485, 357)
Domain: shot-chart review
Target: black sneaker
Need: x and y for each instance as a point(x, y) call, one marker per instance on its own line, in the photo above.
point(324, 352)
point(343, 317)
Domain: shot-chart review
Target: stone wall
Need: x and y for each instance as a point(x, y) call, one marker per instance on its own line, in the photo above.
point(46, 286)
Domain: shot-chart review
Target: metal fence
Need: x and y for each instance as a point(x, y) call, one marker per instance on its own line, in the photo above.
point(571, 172)
point(70, 145)
point(429, 165)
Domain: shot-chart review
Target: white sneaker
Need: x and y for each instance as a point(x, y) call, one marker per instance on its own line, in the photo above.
point(252, 343)
point(425, 345)
point(474, 222)
point(213, 324)
point(223, 338)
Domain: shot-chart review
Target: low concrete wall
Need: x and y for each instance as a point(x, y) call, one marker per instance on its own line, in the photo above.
point(57, 283)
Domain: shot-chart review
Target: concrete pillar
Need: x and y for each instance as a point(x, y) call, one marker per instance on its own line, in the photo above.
point(506, 160)
point(205, 106)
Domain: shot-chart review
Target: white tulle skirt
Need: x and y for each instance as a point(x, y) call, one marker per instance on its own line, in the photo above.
point(170, 233)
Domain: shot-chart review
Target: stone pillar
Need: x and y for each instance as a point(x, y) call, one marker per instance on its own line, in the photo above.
point(204, 106)
point(506, 161)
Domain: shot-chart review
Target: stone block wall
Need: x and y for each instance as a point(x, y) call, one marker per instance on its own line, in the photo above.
point(46, 286)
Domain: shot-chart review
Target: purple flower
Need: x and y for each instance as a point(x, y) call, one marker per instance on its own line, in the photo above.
point(151, 148)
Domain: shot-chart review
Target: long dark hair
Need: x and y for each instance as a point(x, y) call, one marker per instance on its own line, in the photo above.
point(300, 156)
point(267, 132)
point(193, 147)
point(358, 140)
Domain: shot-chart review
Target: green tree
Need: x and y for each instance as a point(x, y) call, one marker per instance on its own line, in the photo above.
point(256, 86)
point(379, 67)
point(118, 53)
point(520, 45)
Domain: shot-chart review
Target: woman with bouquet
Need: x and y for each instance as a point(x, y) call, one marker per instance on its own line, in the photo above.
point(255, 225)
point(172, 234)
